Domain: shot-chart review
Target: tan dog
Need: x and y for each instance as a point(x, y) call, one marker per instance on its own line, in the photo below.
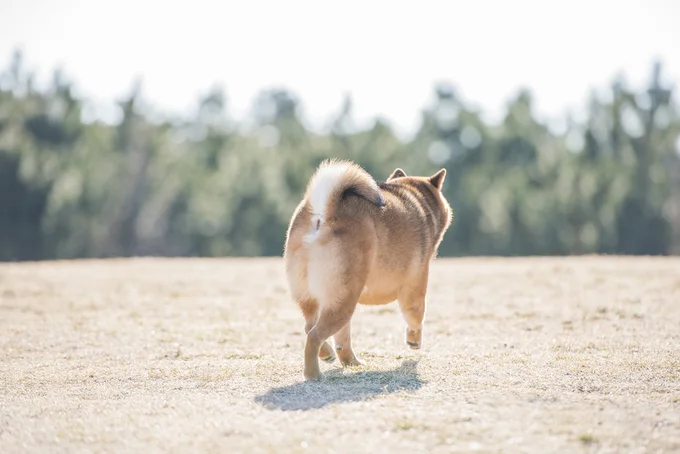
point(352, 240)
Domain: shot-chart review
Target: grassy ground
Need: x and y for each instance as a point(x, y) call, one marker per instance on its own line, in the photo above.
point(519, 355)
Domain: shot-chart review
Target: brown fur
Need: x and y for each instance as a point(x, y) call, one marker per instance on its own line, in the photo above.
point(367, 243)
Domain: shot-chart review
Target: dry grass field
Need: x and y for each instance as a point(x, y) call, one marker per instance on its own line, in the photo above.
point(519, 355)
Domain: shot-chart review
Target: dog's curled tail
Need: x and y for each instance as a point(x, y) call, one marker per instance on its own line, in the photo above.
point(331, 181)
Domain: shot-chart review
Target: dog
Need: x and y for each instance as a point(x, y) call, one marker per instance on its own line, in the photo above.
point(353, 240)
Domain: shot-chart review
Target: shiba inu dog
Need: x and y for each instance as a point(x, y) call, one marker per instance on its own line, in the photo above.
point(353, 240)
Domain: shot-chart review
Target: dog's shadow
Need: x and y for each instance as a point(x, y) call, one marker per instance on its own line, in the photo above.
point(338, 386)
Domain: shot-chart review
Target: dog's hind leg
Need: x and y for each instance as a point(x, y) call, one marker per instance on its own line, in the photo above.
point(343, 346)
point(339, 294)
point(412, 304)
point(336, 274)
point(331, 320)
point(310, 310)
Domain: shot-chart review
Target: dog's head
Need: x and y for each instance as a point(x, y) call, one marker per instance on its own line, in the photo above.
point(434, 182)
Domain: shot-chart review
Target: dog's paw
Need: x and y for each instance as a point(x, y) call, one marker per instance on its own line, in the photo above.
point(414, 338)
point(354, 362)
point(313, 377)
point(326, 353)
point(329, 359)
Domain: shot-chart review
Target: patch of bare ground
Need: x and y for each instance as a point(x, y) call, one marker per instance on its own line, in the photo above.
point(205, 355)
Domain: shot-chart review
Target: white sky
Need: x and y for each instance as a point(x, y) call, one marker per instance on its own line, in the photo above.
point(387, 54)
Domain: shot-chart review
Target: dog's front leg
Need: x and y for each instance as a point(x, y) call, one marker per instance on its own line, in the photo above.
point(412, 304)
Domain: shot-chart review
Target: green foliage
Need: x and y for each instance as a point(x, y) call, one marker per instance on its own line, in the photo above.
point(206, 186)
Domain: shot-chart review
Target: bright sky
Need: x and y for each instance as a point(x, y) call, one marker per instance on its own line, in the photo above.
point(387, 54)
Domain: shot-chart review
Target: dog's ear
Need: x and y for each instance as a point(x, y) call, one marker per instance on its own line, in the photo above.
point(437, 180)
point(396, 174)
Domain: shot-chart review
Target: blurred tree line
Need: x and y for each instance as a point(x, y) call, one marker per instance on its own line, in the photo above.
point(203, 186)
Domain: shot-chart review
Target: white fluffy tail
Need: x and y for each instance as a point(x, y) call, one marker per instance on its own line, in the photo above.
point(322, 185)
point(331, 181)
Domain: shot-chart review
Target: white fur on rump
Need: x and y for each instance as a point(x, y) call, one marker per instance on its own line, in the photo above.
point(321, 263)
